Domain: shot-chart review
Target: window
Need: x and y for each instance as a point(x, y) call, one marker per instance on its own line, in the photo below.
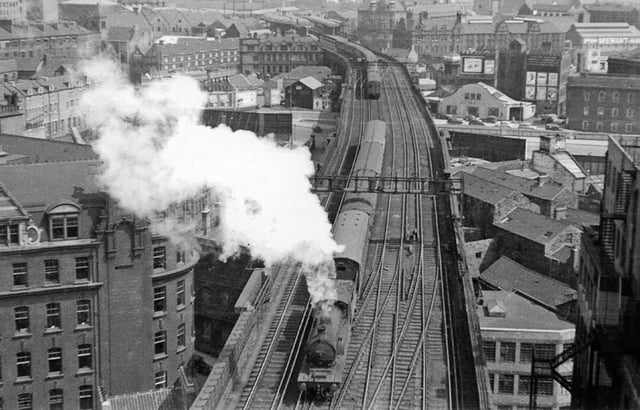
point(526, 352)
point(83, 312)
point(614, 127)
point(159, 257)
point(23, 362)
point(492, 378)
point(585, 125)
point(85, 396)
point(614, 113)
point(22, 319)
point(587, 96)
point(182, 339)
point(630, 113)
point(55, 399)
point(616, 97)
point(53, 315)
point(180, 256)
point(493, 112)
point(160, 342)
point(82, 268)
point(505, 384)
point(55, 360)
point(545, 386)
point(507, 352)
point(601, 96)
point(628, 127)
point(20, 274)
point(9, 235)
point(25, 401)
point(524, 385)
point(489, 348)
point(64, 226)
point(466, 96)
point(84, 357)
point(599, 126)
point(180, 293)
point(160, 380)
point(159, 299)
point(51, 272)
point(478, 255)
point(600, 110)
point(630, 98)
point(545, 351)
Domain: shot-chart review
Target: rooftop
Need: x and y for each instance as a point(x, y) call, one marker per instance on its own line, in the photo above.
point(35, 30)
point(191, 46)
point(597, 30)
point(484, 190)
point(548, 190)
point(533, 226)
point(509, 275)
point(631, 146)
point(159, 399)
point(44, 150)
point(609, 7)
point(579, 218)
point(521, 314)
point(604, 81)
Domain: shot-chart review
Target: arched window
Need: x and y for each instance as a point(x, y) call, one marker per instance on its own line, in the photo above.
point(63, 220)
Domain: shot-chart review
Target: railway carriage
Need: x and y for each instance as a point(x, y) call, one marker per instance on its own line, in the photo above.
point(324, 357)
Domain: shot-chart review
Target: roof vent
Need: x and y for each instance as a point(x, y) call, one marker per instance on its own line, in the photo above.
point(495, 308)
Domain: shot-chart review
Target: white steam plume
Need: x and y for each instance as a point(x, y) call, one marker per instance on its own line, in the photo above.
point(156, 154)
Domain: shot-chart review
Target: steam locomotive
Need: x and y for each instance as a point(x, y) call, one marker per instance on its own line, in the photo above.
point(325, 353)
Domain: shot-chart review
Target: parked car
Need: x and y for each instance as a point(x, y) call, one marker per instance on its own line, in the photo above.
point(552, 127)
point(490, 119)
point(454, 120)
point(442, 116)
point(475, 121)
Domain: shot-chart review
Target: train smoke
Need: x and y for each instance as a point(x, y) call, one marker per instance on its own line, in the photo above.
point(156, 153)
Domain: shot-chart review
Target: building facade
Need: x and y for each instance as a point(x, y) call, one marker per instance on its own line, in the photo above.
point(93, 300)
point(606, 373)
point(593, 43)
point(278, 54)
point(513, 330)
point(612, 13)
point(604, 103)
point(482, 100)
point(377, 21)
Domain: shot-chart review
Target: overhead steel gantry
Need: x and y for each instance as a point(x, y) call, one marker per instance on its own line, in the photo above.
point(387, 185)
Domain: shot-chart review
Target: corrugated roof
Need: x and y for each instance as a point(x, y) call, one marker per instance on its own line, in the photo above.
point(533, 226)
point(509, 275)
point(160, 399)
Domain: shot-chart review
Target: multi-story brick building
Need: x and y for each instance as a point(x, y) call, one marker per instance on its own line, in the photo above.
point(604, 103)
point(606, 372)
point(513, 331)
point(13, 10)
point(377, 20)
point(278, 54)
point(439, 38)
point(91, 298)
point(219, 58)
point(593, 43)
point(612, 13)
point(30, 44)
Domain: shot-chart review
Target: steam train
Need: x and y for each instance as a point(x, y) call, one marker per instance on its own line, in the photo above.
point(323, 362)
point(342, 46)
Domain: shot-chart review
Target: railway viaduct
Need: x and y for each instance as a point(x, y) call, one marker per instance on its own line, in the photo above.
point(415, 337)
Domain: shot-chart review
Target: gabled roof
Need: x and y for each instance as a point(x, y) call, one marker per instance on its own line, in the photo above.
point(318, 72)
point(509, 275)
point(484, 190)
point(10, 208)
point(548, 190)
point(533, 226)
point(311, 82)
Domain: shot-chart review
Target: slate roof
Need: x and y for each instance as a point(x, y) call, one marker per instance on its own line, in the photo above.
point(548, 190)
point(484, 190)
point(44, 150)
point(317, 72)
point(521, 314)
point(23, 31)
point(49, 181)
point(9, 207)
point(509, 275)
point(578, 218)
point(533, 226)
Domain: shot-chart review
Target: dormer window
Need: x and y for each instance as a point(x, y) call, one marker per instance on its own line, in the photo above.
point(9, 234)
point(63, 221)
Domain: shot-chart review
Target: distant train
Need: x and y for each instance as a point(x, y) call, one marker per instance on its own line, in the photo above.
point(325, 353)
point(342, 46)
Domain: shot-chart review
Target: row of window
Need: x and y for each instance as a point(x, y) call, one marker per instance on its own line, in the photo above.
point(51, 271)
point(54, 362)
point(629, 112)
point(507, 384)
point(614, 126)
point(160, 297)
point(508, 351)
point(53, 316)
point(56, 399)
point(615, 96)
point(200, 56)
point(160, 340)
point(473, 96)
